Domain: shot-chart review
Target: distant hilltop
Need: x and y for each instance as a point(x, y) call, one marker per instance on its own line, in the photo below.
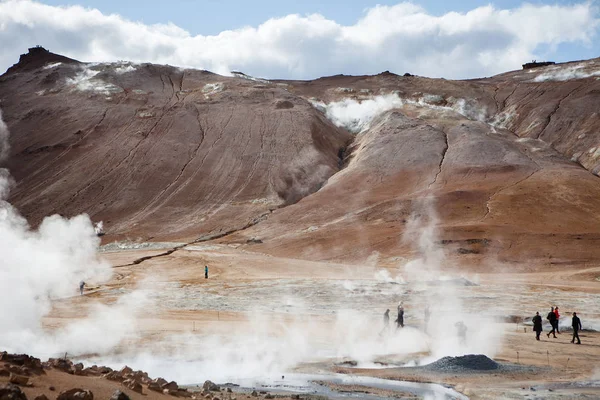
point(535, 64)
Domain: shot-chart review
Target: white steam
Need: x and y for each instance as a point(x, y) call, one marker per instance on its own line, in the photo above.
point(562, 73)
point(45, 264)
point(85, 80)
point(356, 115)
point(446, 307)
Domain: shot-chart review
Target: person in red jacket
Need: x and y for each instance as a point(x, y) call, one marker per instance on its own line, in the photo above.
point(557, 318)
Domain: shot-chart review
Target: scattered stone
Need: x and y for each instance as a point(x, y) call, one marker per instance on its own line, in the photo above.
point(171, 386)
point(154, 387)
point(262, 392)
point(51, 388)
point(160, 381)
point(210, 386)
point(269, 396)
point(254, 394)
point(118, 395)
point(18, 379)
point(228, 390)
point(133, 385)
point(114, 376)
point(11, 392)
point(126, 370)
point(182, 392)
point(105, 370)
point(75, 394)
point(4, 372)
point(41, 397)
point(295, 396)
point(77, 369)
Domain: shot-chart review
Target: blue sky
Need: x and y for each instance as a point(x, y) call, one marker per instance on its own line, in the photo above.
point(210, 17)
point(439, 39)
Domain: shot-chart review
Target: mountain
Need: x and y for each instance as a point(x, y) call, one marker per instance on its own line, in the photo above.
point(330, 169)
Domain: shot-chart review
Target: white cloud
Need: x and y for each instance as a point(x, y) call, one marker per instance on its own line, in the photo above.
point(400, 38)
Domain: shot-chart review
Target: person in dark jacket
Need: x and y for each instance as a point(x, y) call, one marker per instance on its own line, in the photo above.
point(551, 317)
point(206, 272)
point(400, 320)
point(537, 325)
point(576, 323)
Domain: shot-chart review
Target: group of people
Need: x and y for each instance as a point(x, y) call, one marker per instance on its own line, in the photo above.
point(553, 318)
point(399, 320)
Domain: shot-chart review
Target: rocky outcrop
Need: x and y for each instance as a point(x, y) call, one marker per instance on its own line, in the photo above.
point(11, 392)
point(75, 394)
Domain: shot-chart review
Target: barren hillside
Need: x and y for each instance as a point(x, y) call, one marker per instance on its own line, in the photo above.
point(326, 169)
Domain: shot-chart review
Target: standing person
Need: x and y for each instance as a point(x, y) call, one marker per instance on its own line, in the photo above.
point(400, 320)
point(537, 325)
point(551, 317)
point(557, 318)
point(427, 316)
point(576, 323)
point(462, 332)
point(81, 285)
point(206, 272)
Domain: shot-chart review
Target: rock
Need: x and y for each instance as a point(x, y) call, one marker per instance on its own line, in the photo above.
point(75, 394)
point(210, 386)
point(172, 386)
point(18, 379)
point(105, 370)
point(51, 388)
point(61, 364)
point(133, 385)
point(4, 372)
point(295, 396)
point(125, 370)
point(254, 394)
point(160, 381)
point(118, 395)
point(41, 397)
point(90, 372)
point(77, 369)
point(269, 396)
point(114, 376)
point(155, 387)
point(181, 392)
point(228, 390)
point(283, 105)
point(11, 392)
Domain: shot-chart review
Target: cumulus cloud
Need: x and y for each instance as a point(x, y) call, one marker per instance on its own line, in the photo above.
point(403, 37)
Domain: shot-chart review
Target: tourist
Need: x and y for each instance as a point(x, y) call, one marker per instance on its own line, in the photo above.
point(557, 318)
point(81, 285)
point(400, 320)
point(537, 325)
point(576, 324)
point(206, 272)
point(551, 317)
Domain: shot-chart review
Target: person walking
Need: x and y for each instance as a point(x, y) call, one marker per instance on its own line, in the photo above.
point(557, 318)
point(427, 316)
point(81, 285)
point(551, 317)
point(206, 272)
point(537, 325)
point(400, 320)
point(576, 324)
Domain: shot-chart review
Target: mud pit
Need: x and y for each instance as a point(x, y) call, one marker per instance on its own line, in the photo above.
point(259, 317)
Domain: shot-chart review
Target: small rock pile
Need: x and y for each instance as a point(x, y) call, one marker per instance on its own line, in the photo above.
point(469, 362)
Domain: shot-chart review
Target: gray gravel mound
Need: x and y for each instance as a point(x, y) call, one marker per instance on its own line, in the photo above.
point(473, 362)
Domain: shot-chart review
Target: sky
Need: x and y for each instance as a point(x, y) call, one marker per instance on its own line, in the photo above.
point(308, 39)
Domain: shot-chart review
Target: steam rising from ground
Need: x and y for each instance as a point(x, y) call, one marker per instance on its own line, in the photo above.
point(357, 115)
point(47, 264)
point(562, 73)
